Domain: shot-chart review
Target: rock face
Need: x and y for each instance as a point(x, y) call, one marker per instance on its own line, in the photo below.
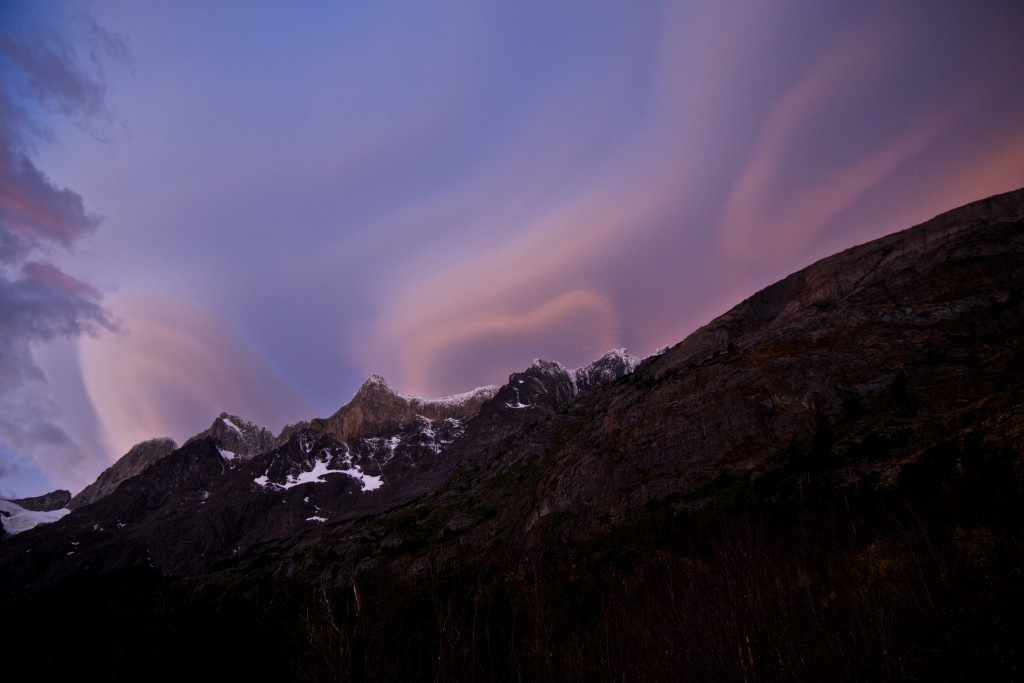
point(141, 456)
point(238, 437)
point(378, 409)
point(843, 447)
point(549, 385)
point(892, 336)
point(862, 362)
point(54, 500)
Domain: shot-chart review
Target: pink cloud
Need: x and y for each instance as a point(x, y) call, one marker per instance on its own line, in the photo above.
point(576, 325)
point(476, 302)
point(170, 374)
point(764, 221)
point(983, 173)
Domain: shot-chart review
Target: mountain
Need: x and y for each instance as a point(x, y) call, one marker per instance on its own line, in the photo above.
point(137, 459)
point(54, 500)
point(378, 409)
point(822, 483)
point(14, 519)
point(22, 514)
point(549, 384)
point(236, 437)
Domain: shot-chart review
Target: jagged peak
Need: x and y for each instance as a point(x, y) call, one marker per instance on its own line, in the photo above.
point(547, 365)
point(375, 381)
point(621, 354)
point(235, 423)
point(150, 443)
point(376, 405)
point(378, 383)
point(236, 436)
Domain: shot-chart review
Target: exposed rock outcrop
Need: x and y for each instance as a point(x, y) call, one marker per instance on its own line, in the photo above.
point(141, 456)
point(236, 436)
point(54, 500)
point(842, 447)
point(378, 409)
point(549, 385)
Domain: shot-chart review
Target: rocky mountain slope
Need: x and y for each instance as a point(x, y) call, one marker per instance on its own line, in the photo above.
point(378, 409)
point(823, 483)
point(54, 500)
point(137, 459)
point(236, 438)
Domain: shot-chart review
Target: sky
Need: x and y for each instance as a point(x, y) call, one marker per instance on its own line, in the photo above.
point(251, 207)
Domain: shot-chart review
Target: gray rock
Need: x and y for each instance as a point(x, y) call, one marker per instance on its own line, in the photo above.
point(54, 500)
point(141, 456)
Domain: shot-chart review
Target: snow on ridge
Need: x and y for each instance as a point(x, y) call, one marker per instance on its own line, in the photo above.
point(547, 365)
point(462, 399)
point(627, 358)
point(454, 400)
point(231, 424)
point(17, 519)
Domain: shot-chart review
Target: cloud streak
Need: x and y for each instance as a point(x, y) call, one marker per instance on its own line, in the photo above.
point(442, 193)
point(171, 371)
point(43, 76)
point(766, 219)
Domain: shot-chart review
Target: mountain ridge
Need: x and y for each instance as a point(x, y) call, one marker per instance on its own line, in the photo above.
point(841, 448)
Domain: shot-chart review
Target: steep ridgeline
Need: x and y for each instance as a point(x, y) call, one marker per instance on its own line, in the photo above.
point(378, 409)
point(229, 487)
point(230, 434)
point(236, 438)
point(22, 514)
point(822, 483)
point(137, 459)
point(214, 498)
point(854, 370)
point(548, 384)
point(54, 500)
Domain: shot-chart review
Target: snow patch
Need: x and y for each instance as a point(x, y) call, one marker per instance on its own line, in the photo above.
point(232, 425)
point(518, 403)
point(316, 476)
point(16, 519)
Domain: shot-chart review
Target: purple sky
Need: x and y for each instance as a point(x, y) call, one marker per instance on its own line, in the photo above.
point(251, 207)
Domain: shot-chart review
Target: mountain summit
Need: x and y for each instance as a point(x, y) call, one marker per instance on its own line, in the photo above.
point(376, 409)
point(822, 483)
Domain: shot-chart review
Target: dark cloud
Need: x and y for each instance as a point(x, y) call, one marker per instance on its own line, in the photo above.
point(43, 302)
point(34, 213)
point(49, 71)
point(58, 67)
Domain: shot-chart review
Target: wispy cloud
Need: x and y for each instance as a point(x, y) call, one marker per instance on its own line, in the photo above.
point(47, 71)
point(768, 217)
point(172, 370)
